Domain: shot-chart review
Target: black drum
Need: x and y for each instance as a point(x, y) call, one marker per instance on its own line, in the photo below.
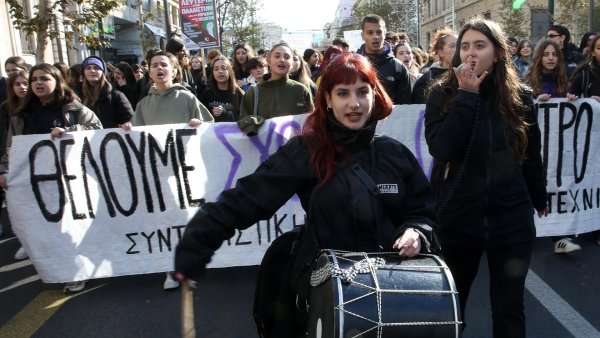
point(382, 295)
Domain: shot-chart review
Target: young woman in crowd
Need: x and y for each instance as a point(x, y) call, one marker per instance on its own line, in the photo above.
point(277, 94)
point(197, 74)
point(443, 45)
point(210, 57)
point(547, 77)
point(547, 74)
point(167, 102)
point(110, 105)
point(138, 72)
point(481, 129)
point(586, 84)
point(16, 91)
point(124, 81)
point(241, 53)
point(50, 105)
point(75, 78)
point(403, 52)
point(312, 58)
point(12, 64)
point(330, 53)
point(223, 97)
point(522, 58)
point(586, 79)
point(317, 166)
point(585, 45)
point(301, 72)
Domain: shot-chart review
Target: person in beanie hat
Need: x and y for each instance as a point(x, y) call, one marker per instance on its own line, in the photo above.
point(94, 60)
point(110, 105)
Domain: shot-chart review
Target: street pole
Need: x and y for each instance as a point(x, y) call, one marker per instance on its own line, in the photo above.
point(591, 17)
point(167, 20)
point(418, 24)
point(453, 16)
point(551, 10)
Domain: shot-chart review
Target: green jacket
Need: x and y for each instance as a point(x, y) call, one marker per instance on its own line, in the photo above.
point(277, 98)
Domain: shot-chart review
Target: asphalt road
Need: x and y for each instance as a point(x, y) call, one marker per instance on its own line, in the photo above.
point(562, 297)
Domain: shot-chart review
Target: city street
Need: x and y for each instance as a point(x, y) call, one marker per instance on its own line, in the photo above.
point(561, 300)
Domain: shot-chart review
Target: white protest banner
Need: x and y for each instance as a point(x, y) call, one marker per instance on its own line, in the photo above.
point(108, 203)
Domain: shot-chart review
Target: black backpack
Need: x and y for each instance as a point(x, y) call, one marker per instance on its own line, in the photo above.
point(276, 310)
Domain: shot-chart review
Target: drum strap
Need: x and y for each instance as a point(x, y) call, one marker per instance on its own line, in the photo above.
point(366, 179)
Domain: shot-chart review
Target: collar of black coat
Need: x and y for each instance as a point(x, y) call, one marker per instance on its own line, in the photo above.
point(351, 140)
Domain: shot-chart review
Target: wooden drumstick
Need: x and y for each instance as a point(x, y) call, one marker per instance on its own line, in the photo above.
point(187, 311)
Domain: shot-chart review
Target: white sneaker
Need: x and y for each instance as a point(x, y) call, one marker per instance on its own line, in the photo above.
point(170, 283)
point(21, 254)
point(74, 287)
point(566, 245)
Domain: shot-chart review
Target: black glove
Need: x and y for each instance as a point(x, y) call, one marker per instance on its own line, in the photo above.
point(191, 258)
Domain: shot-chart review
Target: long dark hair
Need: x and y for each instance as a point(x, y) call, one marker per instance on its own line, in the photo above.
point(63, 94)
point(232, 85)
point(506, 96)
point(533, 77)
point(240, 68)
point(13, 102)
point(346, 68)
point(127, 74)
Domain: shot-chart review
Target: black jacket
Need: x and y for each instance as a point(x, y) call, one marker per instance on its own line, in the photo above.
point(343, 214)
point(393, 75)
point(571, 57)
point(112, 107)
point(492, 203)
point(230, 101)
point(419, 93)
point(586, 83)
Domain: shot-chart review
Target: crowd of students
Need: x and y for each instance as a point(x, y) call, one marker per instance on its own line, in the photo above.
point(494, 87)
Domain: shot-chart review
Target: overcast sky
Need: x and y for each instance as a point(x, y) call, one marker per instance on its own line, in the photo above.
point(299, 15)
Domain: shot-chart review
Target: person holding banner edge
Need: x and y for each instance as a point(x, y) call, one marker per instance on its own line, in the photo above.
point(317, 166)
point(50, 105)
point(168, 101)
point(586, 84)
point(16, 92)
point(481, 129)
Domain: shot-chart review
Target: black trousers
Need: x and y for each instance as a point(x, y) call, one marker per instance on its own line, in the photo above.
point(508, 268)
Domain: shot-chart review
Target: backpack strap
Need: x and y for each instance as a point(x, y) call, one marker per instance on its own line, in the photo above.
point(585, 81)
point(255, 100)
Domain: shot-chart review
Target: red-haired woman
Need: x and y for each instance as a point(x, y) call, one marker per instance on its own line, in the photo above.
point(318, 166)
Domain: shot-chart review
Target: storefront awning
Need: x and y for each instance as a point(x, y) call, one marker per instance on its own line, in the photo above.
point(156, 30)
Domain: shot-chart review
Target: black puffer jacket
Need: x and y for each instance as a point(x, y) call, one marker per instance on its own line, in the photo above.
point(393, 75)
point(492, 203)
point(343, 214)
point(112, 107)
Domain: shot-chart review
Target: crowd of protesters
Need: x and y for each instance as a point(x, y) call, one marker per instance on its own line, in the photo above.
point(502, 77)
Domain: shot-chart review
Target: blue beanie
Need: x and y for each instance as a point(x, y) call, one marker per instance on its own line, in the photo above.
point(94, 60)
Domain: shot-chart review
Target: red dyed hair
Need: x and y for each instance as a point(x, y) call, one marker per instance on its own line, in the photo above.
point(327, 57)
point(344, 69)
